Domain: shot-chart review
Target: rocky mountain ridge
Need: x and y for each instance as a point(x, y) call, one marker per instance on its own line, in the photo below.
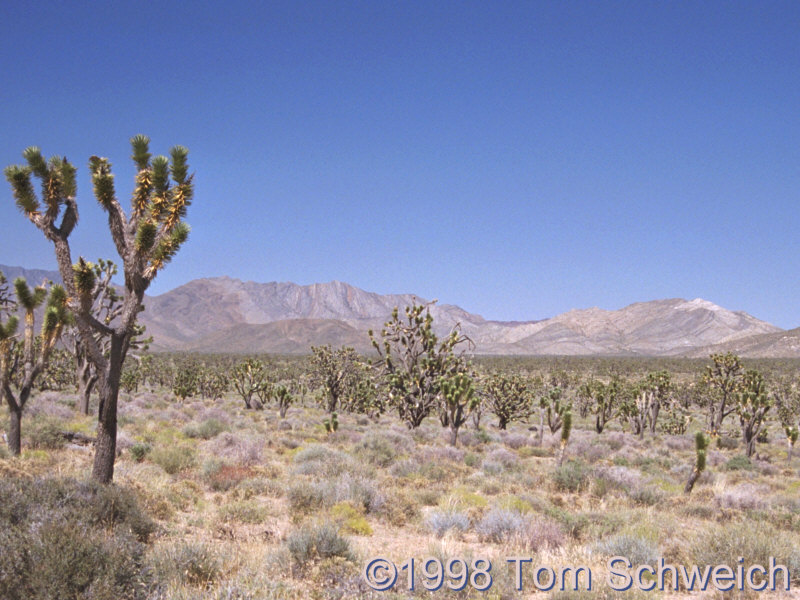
point(223, 314)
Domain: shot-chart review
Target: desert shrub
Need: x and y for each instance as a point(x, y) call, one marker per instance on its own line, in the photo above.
point(350, 519)
point(616, 440)
point(246, 511)
point(727, 443)
point(404, 468)
point(744, 497)
point(61, 538)
point(517, 504)
point(428, 497)
point(572, 476)
point(399, 509)
point(321, 461)
point(619, 477)
point(637, 549)
point(235, 449)
point(500, 460)
point(140, 450)
point(222, 477)
point(647, 495)
point(442, 453)
point(356, 490)
point(574, 524)
point(739, 463)
point(304, 499)
point(44, 433)
point(442, 521)
point(377, 449)
point(318, 541)
point(500, 524)
point(207, 429)
point(755, 542)
point(174, 459)
point(471, 459)
point(517, 440)
point(543, 534)
point(188, 563)
point(260, 486)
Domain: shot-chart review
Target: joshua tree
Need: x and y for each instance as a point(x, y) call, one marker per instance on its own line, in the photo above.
point(606, 400)
point(336, 371)
point(31, 362)
point(660, 386)
point(284, 399)
point(701, 444)
point(332, 423)
point(458, 400)
point(415, 361)
point(508, 397)
point(566, 429)
point(725, 377)
point(146, 240)
point(106, 307)
point(186, 382)
point(787, 404)
point(250, 379)
point(752, 405)
point(212, 384)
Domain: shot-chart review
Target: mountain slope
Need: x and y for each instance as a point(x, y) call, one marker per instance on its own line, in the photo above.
point(223, 314)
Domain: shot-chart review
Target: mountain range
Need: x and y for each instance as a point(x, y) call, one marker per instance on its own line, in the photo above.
point(223, 314)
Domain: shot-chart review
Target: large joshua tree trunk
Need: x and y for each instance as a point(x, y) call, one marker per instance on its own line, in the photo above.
point(15, 430)
point(106, 445)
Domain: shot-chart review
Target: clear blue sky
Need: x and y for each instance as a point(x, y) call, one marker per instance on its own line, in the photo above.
point(517, 159)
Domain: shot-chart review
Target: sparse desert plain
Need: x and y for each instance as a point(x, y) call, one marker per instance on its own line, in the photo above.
point(214, 500)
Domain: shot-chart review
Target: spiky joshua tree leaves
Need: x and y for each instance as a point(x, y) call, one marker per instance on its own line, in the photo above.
point(146, 240)
point(31, 362)
point(415, 361)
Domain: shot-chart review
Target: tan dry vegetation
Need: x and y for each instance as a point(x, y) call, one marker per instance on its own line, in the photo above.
point(232, 509)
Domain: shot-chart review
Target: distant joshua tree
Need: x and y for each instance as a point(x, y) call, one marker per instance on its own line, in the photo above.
point(146, 240)
point(19, 370)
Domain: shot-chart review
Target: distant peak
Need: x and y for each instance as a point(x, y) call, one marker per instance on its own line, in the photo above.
point(699, 303)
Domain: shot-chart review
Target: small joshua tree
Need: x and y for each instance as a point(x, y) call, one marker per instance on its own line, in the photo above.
point(508, 397)
point(186, 382)
point(146, 240)
point(724, 376)
point(701, 445)
point(606, 400)
point(566, 429)
point(32, 361)
point(415, 362)
point(284, 399)
point(752, 405)
point(787, 405)
point(336, 371)
point(212, 384)
point(250, 380)
point(458, 400)
point(791, 439)
point(331, 423)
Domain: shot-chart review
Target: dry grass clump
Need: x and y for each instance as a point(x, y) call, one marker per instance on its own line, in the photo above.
point(443, 521)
